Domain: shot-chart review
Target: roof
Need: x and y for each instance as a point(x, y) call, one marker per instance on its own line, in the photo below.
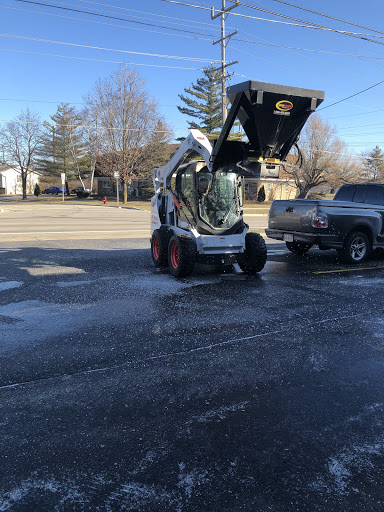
point(5, 168)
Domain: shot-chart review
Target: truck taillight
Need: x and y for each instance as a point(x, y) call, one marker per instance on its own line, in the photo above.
point(320, 221)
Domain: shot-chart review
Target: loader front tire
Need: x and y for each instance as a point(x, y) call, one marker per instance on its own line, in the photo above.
point(254, 257)
point(159, 247)
point(181, 255)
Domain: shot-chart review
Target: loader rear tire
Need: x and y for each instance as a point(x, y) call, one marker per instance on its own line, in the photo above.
point(181, 255)
point(255, 254)
point(159, 247)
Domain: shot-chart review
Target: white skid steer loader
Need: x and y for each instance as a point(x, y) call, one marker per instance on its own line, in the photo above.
point(197, 209)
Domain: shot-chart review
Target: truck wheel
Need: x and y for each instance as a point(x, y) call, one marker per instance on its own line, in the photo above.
point(255, 254)
point(159, 247)
point(356, 247)
point(181, 255)
point(297, 247)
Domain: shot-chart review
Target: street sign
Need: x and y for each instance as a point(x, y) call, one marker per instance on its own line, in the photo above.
point(116, 174)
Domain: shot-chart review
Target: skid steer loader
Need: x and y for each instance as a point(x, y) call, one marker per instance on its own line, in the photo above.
point(197, 208)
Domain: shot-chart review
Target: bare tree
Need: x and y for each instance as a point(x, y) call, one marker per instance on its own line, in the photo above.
point(20, 140)
point(90, 138)
point(128, 121)
point(322, 159)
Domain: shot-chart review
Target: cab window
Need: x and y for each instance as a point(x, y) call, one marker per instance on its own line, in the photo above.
point(375, 195)
point(360, 194)
point(345, 193)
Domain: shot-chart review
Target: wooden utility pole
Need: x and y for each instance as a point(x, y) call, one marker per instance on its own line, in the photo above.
point(223, 41)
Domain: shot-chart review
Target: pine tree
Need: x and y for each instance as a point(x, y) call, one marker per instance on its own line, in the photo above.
point(204, 104)
point(62, 143)
point(374, 165)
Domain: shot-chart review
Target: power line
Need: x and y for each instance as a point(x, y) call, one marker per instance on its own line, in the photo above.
point(109, 17)
point(36, 39)
point(98, 60)
point(306, 49)
point(313, 25)
point(328, 16)
point(205, 8)
point(141, 12)
point(343, 32)
point(41, 101)
point(68, 101)
point(339, 42)
point(274, 13)
point(96, 127)
point(358, 114)
point(198, 38)
point(110, 24)
point(352, 96)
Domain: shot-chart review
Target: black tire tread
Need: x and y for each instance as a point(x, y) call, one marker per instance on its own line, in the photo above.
point(164, 235)
point(255, 254)
point(345, 252)
point(187, 255)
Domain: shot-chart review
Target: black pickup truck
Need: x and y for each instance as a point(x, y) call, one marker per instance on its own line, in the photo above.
point(352, 223)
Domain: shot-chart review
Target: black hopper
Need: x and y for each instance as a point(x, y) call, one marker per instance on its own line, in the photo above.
point(272, 117)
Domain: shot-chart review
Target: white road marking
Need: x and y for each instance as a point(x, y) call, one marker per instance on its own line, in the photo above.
point(74, 232)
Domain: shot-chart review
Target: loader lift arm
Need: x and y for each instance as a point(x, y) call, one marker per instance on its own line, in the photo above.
point(196, 142)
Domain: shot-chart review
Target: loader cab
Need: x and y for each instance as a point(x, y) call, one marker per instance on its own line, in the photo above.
point(211, 201)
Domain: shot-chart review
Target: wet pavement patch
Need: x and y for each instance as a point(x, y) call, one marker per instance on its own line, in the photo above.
point(8, 285)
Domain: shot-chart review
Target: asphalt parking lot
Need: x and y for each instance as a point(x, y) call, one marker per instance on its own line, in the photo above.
point(124, 389)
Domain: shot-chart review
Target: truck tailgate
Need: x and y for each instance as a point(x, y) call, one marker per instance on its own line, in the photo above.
point(295, 215)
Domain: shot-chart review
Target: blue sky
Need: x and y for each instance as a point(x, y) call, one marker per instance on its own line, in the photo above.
point(41, 74)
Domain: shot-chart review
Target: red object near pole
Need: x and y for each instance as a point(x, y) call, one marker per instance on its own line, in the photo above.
point(105, 200)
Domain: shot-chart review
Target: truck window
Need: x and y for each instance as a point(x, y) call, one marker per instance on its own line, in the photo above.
point(375, 195)
point(360, 192)
point(345, 193)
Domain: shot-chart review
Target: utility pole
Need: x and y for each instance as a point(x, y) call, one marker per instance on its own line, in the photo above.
point(223, 41)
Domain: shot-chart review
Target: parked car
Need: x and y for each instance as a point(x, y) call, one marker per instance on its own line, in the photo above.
point(80, 189)
point(54, 190)
point(353, 223)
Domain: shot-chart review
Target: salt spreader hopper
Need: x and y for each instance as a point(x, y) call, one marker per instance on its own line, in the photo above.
point(197, 209)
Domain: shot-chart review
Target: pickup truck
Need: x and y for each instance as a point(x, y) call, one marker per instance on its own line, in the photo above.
point(352, 223)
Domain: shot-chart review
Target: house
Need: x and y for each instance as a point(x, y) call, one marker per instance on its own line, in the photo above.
point(10, 181)
point(106, 186)
point(282, 187)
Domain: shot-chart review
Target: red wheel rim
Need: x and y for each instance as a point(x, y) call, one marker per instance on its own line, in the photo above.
point(175, 255)
point(156, 247)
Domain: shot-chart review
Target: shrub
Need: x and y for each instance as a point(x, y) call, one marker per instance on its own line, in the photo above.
point(261, 195)
point(37, 190)
point(82, 194)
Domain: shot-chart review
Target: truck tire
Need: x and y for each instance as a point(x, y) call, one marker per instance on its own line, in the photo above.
point(254, 257)
point(159, 247)
point(181, 255)
point(297, 247)
point(356, 247)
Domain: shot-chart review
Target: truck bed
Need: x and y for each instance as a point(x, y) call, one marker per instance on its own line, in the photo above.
point(297, 214)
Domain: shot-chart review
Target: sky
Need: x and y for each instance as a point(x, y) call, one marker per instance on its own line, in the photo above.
point(53, 51)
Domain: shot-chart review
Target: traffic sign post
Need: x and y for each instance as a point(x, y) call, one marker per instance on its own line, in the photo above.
point(63, 182)
point(117, 176)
